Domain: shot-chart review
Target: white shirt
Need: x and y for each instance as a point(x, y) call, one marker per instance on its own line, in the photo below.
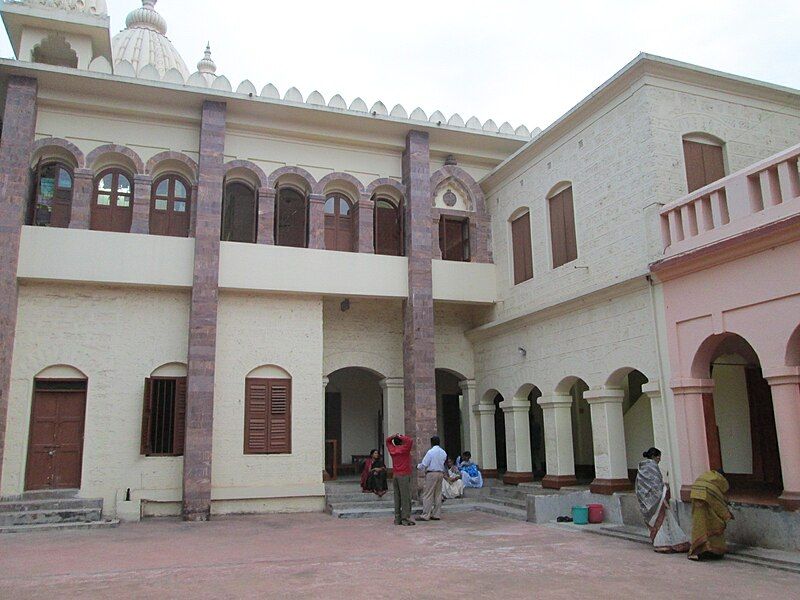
point(434, 460)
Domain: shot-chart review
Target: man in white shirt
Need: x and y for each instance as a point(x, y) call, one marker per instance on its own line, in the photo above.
point(433, 468)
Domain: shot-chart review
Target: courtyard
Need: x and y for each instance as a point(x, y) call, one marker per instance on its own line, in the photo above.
point(467, 555)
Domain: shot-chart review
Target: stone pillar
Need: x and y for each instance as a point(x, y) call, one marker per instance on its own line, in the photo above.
point(418, 345)
point(364, 225)
point(393, 411)
point(660, 430)
point(785, 387)
point(203, 317)
point(487, 459)
point(559, 453)
point(142, 192)
point(266, 216)
point(690, 426)
point(518, 440)
point(316, 221)
point(470, 421)
point(16, 146)
point(325, 475)
point(608, 436)
point(82, 198)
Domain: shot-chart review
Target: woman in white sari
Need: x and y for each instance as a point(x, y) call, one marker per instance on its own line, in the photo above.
point(453, 483)
point(653, 496)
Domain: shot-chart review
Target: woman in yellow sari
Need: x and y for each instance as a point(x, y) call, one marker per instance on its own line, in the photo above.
point(710, 516)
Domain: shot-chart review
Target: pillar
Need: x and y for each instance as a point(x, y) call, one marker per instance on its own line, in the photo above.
point(316, 221)
point(266, 216)
point(365, 225)
point(784, 384)
point(418, 345)
point(559, 454)
point(518, 440)
point(487, 459)
point(470, 421)
point(660, 430)
point(393, 411)
point(690, 424)
point(16, 146)
point(82, 197)
point(325, 475)
point(142, 192)
point(203, 317)
point(608, 436)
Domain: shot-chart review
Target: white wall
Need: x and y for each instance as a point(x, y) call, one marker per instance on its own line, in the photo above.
point(732, 410)
point(638, 431)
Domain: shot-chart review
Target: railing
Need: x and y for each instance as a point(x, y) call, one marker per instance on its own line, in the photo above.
point(764, 192)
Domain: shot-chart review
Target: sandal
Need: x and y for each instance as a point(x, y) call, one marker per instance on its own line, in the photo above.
point(407, 523)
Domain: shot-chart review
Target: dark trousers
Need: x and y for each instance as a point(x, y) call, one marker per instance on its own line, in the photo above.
point(401, 484)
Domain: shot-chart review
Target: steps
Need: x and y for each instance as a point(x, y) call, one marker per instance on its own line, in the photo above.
point(51, 510)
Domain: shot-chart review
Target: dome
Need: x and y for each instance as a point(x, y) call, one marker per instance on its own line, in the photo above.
point(92, 7)
point(144, 42)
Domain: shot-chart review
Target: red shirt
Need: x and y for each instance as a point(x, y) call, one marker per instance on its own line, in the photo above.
point(401, 455)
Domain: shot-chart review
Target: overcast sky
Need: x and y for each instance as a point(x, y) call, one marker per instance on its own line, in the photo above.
point(509, 60)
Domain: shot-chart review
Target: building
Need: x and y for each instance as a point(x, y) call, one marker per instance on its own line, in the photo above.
point(221, 297)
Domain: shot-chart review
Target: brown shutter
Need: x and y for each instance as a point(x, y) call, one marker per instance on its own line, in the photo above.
point(713, 163)
point(279, 438)
point(557, 235)
point(570, 241)
point(144, 447)
point(255, 416)
point(521, 244)
point(695, 169)
point(179, 436)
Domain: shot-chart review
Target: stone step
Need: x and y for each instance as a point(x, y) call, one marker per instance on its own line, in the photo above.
point(49, 504)
point(57, 527)
point(364, 513)
point(36, 517)
point(510, 502)
point(506, 493)
point(500, 510)
point(45, 494)
point(357, 497)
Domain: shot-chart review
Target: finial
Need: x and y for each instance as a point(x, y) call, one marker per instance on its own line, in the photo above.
point(150, 4)
point(206, 64)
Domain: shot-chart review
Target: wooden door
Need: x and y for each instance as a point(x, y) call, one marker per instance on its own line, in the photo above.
point(712, 433)
point(239, 214)
point(290, 219)
point(338, 224)
point(55, 448)
point(451, 414)
point(388, 229)
point(112, 208)
point(764, 437)
point(333, 430)
point(454, 239)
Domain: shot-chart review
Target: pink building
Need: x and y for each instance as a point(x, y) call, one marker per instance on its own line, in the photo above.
point(731, 279)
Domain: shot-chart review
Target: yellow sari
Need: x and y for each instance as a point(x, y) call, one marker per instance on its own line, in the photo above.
point(710, 515)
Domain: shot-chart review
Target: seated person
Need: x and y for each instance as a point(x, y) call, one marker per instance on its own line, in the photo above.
point(470, 474)
point(373, 477)
point(453, 483)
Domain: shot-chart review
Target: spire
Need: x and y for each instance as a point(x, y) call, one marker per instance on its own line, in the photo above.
point(147, 18)
point(206, 65)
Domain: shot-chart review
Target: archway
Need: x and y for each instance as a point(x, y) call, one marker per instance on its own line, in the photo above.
point(536, 419)
point(582, 441)
point(637, 415)
point(500, 436)
point(448, 409)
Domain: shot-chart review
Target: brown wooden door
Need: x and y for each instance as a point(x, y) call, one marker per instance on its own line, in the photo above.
point(55, 448)
point(291, 216)
point(112, 208)
point(712, 433)
point(239, 214)
point(704, 164)
point(338, 224)
point(454, 239)
point(388, 228)
point(764, 436)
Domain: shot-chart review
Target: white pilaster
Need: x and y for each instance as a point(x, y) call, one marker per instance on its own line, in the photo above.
point(608, 435)
point(488, 456)
point(394, 420)
point(518, 437)
point(559, 453)
point(470, 421)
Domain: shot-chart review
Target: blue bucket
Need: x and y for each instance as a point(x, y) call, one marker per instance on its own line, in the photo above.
point(580, 515)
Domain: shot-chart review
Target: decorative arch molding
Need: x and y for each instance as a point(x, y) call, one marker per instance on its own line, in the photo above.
point(40, 149)
point(718, 344)
point(525, 390)
point(331, 179)
point(518, 212)
point(383, 366)
point(617, 378)
point(455, 373)
point(705, 125)
point(374, 187)
point(171, 369)
point(268, 372)
point(153, 164)
point(300, 172)
point(376, 374)
point(565, 385)
point(246, 165)
point(135, 161)
point(489, 396)
point(61, 372)
point(558, 188)
point(471, 186)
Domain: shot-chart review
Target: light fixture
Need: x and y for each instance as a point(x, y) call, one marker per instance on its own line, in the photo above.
point(522, 352)
point(345, 305)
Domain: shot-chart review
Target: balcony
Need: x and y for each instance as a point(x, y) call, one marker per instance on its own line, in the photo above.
point(763, 194)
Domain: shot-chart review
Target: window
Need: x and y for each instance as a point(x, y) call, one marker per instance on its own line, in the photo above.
point(454, 238)
point(338, 224)
point(52, 205)
point(291, 219)
point(169, 207)
point(239, 213)
point(704, 163)
point(521, 248)
point(388, 228)
point(268, 416)
point(164, 416)
point(112, 209)
point(562, 228)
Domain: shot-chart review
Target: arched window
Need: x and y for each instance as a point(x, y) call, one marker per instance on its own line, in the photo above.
point(291, 218)
point(170, 206)
point(704, 158)
point(52, 205)
point(338, 224)
point(454, 238)
point(388, 227)
point(239, 213)
point(521, 247)
point(112, 209)
point(563, 240)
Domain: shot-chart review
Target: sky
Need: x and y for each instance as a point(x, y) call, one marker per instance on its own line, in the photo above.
point(508, 60)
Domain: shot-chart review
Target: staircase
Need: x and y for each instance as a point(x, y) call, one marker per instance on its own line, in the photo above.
point(51, 510)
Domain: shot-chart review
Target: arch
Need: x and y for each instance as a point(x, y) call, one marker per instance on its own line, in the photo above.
point(524, 391)
point(703, 137)
point(55, 50)
point(114, 155)
point(793, 349)
point(558, 188)
point(170, 369)
point(565, 385)
point(388, 183)
point(452, 372)
point(460, 176)
point(58, 148)
point(298, 175)
point(369, 370)
point(489, 396)
point(717, 345)
point(171, 161)
point(245, 170)
point(518, 212)
point(268, 371)
point(340, 182)
point(61, 372)
point(617, 378)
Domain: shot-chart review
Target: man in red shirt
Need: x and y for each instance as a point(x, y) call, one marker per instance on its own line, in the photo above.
point(399, 447)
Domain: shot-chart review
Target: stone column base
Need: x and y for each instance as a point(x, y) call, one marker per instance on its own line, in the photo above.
point(556, 482)
point(609, 486)
point(197, 514)
point(790, 500)
point(516, 478)
point(489, 473)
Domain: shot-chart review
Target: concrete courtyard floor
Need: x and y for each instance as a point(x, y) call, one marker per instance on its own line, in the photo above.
point(469, 555)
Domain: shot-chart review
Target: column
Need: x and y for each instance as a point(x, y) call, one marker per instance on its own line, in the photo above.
point(418, 346)
point(393, 411)
point(203, 317)
point(518, 440)
point(266, 216)
point(325, 475)
point(470, 420)
point(784, 384)
point(142, 191)
point(559, 454)
point(16, 146)
point(82, 196)
point(365, 225)
point(690, 424)
point(316, 221)
point(660, 430)
point(487, 460)
point(608, 436)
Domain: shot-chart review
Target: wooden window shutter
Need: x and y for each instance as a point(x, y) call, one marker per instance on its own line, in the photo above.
point(180, 416)
point(521, 246)
point(695, 171)
point(144, 447)
point(279, 437)
point(442, 236)
point(570, 240)
point(557, 235)
point(256, 416)
point(713, 163)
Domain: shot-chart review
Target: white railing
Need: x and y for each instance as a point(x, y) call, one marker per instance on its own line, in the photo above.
point(766, 191)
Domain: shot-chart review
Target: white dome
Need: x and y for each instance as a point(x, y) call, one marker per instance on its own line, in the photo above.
point(144, 42)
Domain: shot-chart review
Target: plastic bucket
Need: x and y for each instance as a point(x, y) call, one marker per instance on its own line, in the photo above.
point(580, 515)
point(596, 513)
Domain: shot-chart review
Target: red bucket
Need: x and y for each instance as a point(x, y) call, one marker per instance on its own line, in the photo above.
point(596, 513)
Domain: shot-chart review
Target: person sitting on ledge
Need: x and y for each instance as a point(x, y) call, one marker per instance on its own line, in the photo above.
point(373, 477)
point(470, 474)
point(453, 482)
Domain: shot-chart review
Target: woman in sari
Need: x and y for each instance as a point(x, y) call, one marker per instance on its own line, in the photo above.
point(710, 516)
point(470, 474)
point(653, 496)
point(453, 483)
point(373, 477)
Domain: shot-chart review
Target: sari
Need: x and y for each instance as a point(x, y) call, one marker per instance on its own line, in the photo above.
point(455, 488)
point(373, 477)
point(653, 496)
point(710, 515)
point(470, 474)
